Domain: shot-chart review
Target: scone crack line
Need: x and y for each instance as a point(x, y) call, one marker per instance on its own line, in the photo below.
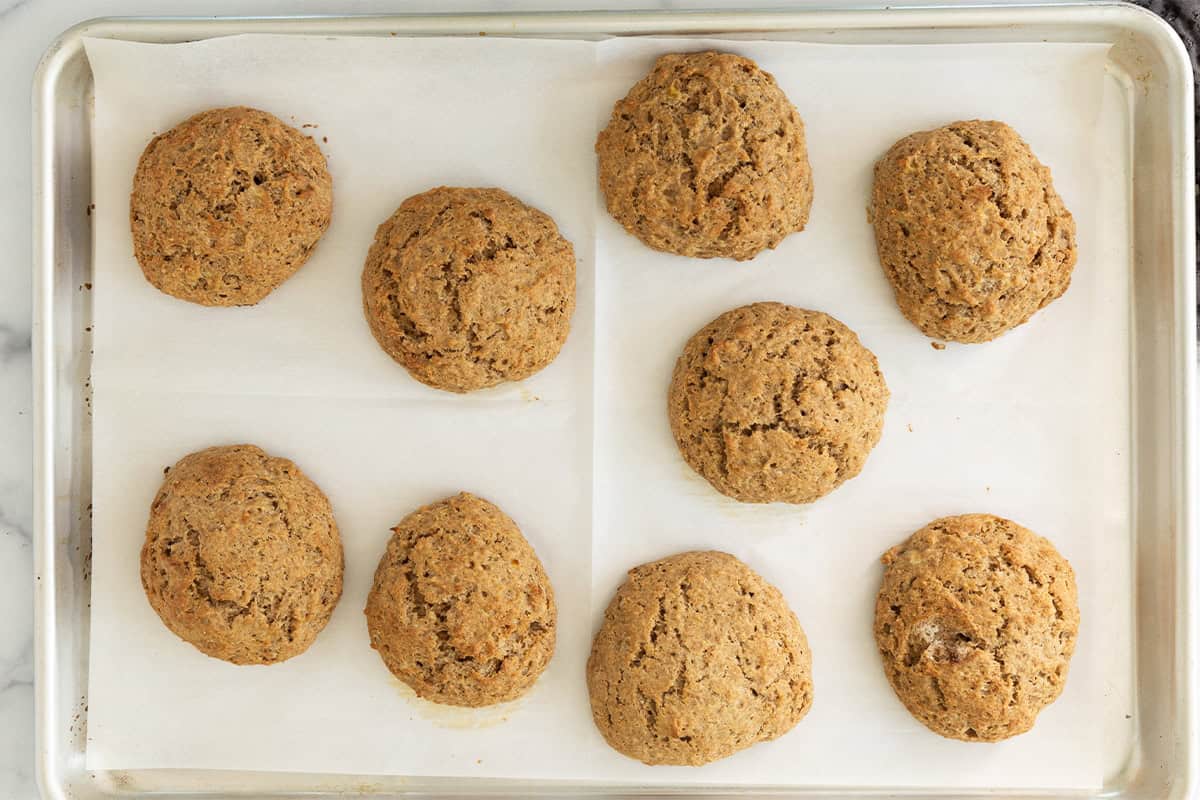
point(203, 579)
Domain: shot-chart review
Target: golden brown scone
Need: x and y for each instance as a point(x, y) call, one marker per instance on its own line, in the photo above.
point(227, 205)
point(698, 657)
point(242, 556)
point(706, 157)
point(467, 288)
point(976, 622)
point(970, 231)
point(771, 403)
point(461, 609)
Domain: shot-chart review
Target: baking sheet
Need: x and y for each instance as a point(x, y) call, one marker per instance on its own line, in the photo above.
point(1034, 426)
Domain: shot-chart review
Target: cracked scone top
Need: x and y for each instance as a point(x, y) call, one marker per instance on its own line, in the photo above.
point(461, 609)
point(242, 556)
point(697, 658)
point(227, 205)
point(771, 403)
point(976, 622)
point(467, 288)
point(706, 157)
point(969, 230)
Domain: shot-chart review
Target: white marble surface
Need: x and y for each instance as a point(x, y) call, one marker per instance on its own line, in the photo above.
point(27, 27)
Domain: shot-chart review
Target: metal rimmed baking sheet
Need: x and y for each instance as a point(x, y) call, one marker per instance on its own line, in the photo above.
point(852, 26)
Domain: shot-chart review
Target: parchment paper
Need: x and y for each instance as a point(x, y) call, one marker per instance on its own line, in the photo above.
point(1034, 426)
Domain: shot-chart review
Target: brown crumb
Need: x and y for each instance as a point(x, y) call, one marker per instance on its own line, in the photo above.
point(910, 430)
point(937, 345)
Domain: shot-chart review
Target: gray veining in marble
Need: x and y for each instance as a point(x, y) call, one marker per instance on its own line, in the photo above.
point(8, 8)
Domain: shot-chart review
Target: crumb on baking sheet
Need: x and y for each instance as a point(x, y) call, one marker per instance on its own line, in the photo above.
point(938, 345)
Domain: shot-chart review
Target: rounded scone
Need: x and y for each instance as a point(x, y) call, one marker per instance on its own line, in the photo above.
point(969, 230)
point(976, 622)
point(706, 157)
point(227, 205)
point(461, 609)
point(771, 403)
point(467, 288)
point(698, 657)
point(242, 556)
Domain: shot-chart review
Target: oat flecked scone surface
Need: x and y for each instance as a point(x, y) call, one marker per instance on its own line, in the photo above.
point(976, 621)
point(242, 556)
point(227, 205)
point(468, 288)
point(706, 157)
point(771, 403)
point(461, 608)
point(697, 658)
point(970, 231)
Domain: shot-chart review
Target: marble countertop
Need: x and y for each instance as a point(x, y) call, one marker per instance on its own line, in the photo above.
point(26, 28)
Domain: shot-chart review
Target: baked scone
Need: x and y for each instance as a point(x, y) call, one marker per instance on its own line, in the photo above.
point(227, 205)
point(467, 288)
point(970, 232)
point(706, 157)
point(242, 556)
point(976, 622)
point(698, 657)
point(771, 403)
point(461, 609)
